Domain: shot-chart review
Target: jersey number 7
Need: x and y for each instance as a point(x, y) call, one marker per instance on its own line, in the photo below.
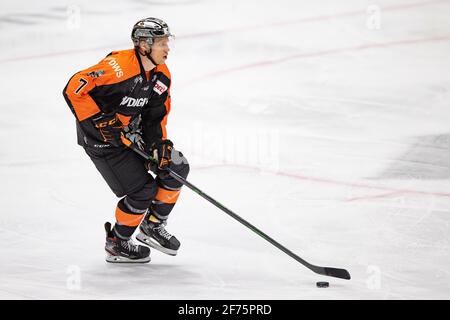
point(83, 83)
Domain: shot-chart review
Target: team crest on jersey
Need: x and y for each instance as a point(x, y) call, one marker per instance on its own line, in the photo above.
point(160, 87)
point(136, 81)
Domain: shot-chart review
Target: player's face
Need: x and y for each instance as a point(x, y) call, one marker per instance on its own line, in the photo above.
point(160, 50)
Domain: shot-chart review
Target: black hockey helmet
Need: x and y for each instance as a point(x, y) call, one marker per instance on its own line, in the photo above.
point(149, 28)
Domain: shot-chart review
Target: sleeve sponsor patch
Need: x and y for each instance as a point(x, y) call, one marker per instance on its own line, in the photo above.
point(96, 73)
point(160, 87)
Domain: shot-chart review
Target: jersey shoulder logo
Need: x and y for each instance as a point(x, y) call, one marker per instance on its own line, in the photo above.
point(96, 73)
point(160, 87)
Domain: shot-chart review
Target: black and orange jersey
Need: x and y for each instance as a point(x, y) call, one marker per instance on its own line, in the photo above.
point(119, 85)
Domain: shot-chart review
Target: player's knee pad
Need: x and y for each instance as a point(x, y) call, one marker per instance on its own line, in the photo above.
point(180, 165)
point(183, 170)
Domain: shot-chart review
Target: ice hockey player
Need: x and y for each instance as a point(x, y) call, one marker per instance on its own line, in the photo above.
point(127, 94)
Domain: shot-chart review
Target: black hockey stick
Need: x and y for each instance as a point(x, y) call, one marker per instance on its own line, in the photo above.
point(326, 271)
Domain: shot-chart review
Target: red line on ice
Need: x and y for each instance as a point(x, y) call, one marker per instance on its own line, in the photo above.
point(313, 55)
point(391, 191)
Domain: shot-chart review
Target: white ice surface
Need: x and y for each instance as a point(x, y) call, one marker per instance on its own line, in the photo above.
point(330, 136)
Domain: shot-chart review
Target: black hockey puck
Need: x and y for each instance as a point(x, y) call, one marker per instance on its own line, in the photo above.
point(322, 284)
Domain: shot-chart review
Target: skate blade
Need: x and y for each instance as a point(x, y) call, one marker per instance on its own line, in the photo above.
point(155, 245)
point(118, 259)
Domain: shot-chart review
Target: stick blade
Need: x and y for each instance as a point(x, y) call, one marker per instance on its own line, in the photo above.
point(337, 273)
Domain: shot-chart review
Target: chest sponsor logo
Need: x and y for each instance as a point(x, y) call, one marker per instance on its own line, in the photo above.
point(133, 102)
point(115, 66)
point(160, 87)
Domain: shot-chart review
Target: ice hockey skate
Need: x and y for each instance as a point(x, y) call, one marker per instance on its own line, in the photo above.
point(124, 251)
point(153, 233)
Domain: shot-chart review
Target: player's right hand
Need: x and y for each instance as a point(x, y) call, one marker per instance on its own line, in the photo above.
point(110, 128)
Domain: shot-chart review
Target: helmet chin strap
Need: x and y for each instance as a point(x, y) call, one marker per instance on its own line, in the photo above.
point(148, 55)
